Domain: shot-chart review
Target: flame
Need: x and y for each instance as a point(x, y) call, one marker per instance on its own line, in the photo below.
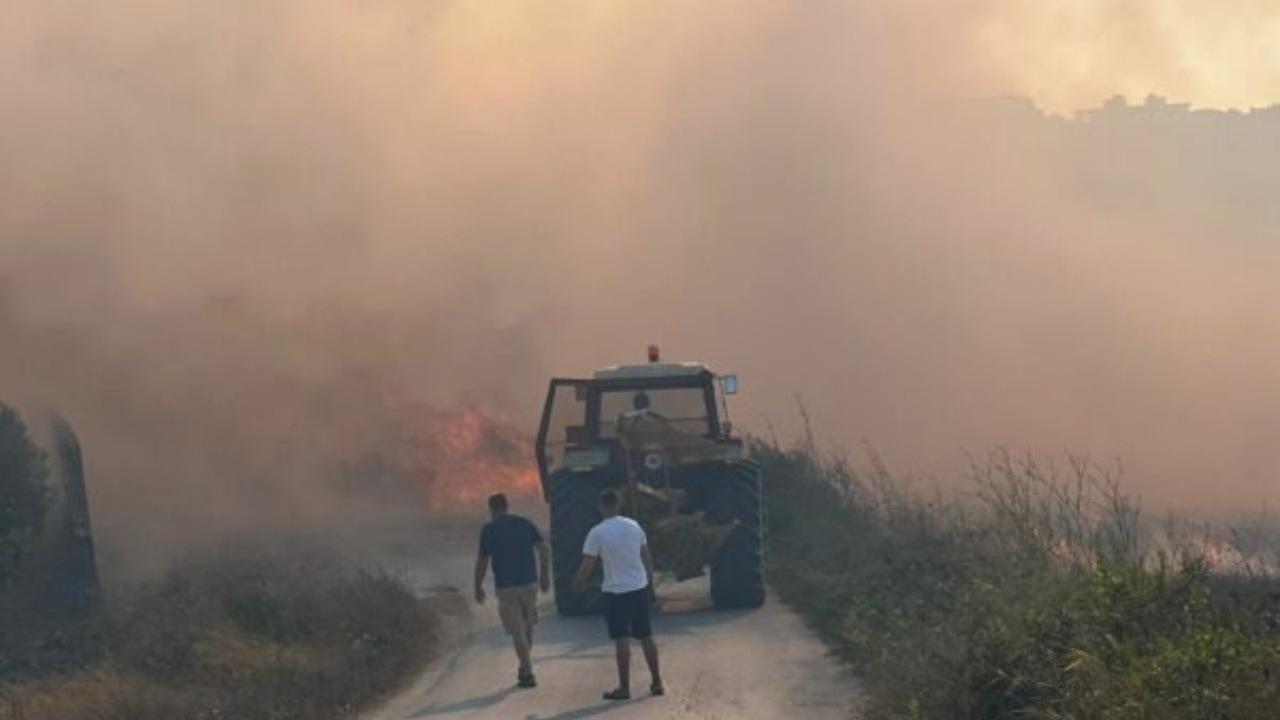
point(457, 457)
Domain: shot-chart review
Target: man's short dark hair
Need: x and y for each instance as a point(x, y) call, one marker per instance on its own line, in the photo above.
point(498, 502)
point(609, 498)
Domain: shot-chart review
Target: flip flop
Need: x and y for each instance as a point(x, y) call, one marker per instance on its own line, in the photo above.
point(618, 694)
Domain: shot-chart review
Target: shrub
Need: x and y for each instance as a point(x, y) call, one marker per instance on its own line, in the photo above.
point(253, 635)
point(1040, 594)
point(24, 492)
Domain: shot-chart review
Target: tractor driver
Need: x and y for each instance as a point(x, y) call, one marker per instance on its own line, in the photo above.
point(640, 402)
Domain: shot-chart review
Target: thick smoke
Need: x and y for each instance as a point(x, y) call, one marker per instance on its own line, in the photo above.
point(232, 234)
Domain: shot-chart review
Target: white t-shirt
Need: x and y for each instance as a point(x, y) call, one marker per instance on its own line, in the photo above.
point(617, 542)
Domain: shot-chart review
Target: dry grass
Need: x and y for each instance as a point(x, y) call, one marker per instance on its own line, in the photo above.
point(245, 636)
point(1038, 593)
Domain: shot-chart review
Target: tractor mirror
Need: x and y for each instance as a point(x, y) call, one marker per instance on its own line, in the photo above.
point(730, 384)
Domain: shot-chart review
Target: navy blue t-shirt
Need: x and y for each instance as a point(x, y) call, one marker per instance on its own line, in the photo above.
point(508, 540)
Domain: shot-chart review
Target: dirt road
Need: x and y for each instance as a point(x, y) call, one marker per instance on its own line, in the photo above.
point(758, 665)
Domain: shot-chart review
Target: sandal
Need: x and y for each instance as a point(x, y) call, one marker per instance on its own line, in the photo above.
point(618, 694)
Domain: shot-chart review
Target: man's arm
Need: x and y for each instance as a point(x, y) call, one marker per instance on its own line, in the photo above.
point(482, 569)
point(584, 571)
point(544, 566)
point(648, 563)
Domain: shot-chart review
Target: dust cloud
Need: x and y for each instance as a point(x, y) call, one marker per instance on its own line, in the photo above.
point(235, 235)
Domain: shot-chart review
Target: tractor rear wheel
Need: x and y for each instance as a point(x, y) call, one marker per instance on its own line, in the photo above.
point(737, 569)
point(574, 499)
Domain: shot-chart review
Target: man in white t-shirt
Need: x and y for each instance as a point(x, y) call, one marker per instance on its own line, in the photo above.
point(620, 544)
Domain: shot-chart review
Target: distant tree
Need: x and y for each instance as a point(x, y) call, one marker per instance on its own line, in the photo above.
point(24, 491)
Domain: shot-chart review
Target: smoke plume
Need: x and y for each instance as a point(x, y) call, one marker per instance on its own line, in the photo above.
point(234, 235)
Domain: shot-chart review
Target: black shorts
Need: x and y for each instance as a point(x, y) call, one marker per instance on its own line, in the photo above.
point(627, 615)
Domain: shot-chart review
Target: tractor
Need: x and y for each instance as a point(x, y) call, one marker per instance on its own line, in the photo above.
point(659, 434)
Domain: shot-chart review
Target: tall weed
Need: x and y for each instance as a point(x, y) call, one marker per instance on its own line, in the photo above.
point(1038, 592)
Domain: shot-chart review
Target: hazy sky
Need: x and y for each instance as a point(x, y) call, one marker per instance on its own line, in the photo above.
point(1070, 54)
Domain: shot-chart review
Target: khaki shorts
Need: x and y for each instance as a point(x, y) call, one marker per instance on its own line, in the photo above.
point(518, 608)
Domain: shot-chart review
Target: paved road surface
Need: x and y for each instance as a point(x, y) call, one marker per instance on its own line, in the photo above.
point(757, 665)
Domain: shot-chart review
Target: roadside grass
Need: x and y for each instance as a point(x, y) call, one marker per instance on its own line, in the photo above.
point(264, 635)
point(1039, 592)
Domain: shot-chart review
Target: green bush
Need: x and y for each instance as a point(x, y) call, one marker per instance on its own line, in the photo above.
point(1037, 595)
point(24, 491)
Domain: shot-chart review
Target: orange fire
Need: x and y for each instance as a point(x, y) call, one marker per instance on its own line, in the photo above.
point(457, 457)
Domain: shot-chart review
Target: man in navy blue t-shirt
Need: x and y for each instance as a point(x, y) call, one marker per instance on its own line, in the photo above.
point(508, 542)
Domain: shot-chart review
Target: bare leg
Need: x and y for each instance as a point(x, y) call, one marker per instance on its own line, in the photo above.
point(528, 631)
point(651, 658)
point(623, 646)
point(521, 641)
